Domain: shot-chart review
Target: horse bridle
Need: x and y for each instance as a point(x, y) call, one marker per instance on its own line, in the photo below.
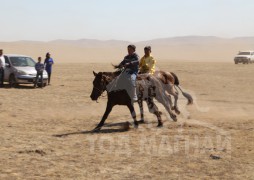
point(101, 91)
point(104, 84)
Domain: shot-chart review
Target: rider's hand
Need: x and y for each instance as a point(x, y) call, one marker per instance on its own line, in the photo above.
point(127, 64)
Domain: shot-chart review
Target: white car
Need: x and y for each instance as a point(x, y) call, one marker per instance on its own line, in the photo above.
point(244, 57)
point(20, 69)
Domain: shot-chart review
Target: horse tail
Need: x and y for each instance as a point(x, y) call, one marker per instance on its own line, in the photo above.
point(185, 94)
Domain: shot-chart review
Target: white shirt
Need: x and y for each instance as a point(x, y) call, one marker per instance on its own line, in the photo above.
point(2, 62)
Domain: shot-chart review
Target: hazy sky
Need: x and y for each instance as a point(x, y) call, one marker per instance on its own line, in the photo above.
point(132, 20)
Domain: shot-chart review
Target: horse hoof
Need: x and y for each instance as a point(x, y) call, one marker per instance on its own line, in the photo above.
point(177, 112)
point(174, 117)
point(97, 129)
point(136, 125)
point(141, 121)
point(160, 125)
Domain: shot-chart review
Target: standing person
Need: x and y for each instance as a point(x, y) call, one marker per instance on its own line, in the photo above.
point(48, 63)
point(131, 62)
point(39, 67)
point(147, 62)
point(2, 66)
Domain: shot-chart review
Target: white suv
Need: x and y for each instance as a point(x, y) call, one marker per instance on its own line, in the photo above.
point(244, 57)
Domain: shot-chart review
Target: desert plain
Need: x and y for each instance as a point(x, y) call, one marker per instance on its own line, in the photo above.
point(46, 133)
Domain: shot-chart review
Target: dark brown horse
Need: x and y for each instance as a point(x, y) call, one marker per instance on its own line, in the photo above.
point(100, 82)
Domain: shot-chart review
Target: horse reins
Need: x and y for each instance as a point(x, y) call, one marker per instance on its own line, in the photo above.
point(101, 91)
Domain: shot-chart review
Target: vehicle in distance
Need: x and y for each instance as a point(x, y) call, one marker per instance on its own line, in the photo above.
point(245, 57)
point(20, 69)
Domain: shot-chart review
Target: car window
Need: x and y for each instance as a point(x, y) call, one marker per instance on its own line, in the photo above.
point(22, 61)
point(6, 60)
point(244, 53)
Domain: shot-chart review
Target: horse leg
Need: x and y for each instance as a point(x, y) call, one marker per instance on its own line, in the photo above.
point(104, 117)
point(171, 91)
point(167, 87)
point(133, 114)
point(164, 100)
point(154, 109)
point(140, 104)
point(175, 94)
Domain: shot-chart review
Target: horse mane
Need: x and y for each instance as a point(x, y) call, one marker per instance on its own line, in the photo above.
point(117, 72)
point(110, 75)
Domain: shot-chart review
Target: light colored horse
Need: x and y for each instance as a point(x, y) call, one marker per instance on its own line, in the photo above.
point(150, 87)
point(170, 83)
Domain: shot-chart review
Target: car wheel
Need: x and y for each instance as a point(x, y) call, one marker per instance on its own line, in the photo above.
point(236, 62)
point(12, 81)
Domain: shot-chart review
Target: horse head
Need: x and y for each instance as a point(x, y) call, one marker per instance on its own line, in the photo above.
point(99, 85)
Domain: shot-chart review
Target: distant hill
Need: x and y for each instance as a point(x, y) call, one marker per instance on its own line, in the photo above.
point(185, 40)
point(90, 42)
point(187, 48)
point(159, 41)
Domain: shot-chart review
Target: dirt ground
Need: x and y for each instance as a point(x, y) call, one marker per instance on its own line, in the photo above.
point(45, 133)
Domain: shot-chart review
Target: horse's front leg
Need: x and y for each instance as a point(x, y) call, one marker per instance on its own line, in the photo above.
point(104, 117)
point(133, 114)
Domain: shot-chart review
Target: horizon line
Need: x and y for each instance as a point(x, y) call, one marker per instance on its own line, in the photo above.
point(101, 40)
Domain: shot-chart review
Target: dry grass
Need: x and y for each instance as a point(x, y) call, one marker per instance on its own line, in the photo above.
point(30, 119)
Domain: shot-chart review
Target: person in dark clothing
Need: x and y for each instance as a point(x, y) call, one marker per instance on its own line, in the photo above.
point(131, 64)
point(48, 66)
point(39, 67)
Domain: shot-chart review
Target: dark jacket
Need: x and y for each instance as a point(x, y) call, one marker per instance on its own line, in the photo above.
point(39, 67)
point(133, 61)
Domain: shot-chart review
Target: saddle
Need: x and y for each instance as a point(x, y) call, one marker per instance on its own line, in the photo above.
point(143, 76)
